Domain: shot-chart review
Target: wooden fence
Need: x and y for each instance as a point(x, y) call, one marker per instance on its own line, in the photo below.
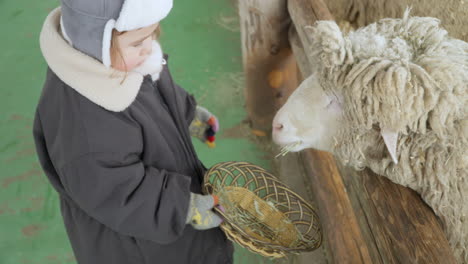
point(365, 217)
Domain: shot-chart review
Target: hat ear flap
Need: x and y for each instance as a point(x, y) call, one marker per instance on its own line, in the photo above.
point(328, 45)
point(390, 138)
point(106, 42)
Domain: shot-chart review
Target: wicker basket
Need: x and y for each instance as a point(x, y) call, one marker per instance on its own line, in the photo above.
point(261, 213)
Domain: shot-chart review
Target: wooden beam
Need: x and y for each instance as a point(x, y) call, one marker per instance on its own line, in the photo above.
point(341, 230)
point(365, 217)
point(342, 233)
point(305, 67)
point(402, 228)
point(269, 65)
point(304, 13)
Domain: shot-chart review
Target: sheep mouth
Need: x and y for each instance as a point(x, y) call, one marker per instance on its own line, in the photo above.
point(288, 148)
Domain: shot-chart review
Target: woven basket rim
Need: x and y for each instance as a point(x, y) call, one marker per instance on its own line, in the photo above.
point(238, 234)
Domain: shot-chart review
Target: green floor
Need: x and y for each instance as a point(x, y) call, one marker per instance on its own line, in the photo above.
point(203, 40)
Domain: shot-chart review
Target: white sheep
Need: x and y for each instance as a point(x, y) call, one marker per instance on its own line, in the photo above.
point(391, 96)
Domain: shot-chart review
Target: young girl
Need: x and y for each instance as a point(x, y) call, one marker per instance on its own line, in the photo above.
point(112, 135)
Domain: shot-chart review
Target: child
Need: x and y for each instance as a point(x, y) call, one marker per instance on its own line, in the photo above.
point(112, 135)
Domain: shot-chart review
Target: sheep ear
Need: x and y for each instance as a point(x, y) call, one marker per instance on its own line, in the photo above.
point(390, 138)
point(327, 43)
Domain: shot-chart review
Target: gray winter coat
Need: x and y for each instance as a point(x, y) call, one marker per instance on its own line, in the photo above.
point(121, 160)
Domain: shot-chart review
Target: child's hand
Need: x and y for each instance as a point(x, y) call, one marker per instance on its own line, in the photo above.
point(204, 126)
point(200, 214)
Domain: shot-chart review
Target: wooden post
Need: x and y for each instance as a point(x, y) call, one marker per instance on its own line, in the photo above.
point(342, 234)
point(394, 219)
point(365, 217)
point(269, 65)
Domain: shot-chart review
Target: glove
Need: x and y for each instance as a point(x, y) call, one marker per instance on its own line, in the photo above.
point(204, 126)
point(200, 215)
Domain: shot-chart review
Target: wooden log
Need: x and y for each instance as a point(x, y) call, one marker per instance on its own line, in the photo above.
point(402, 228)
point(305, 67)
point(342, 233)
point(269, 65)
point(304, 13)
point(371, 220)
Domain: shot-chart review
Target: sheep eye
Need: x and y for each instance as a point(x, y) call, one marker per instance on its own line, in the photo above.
point(330, 101)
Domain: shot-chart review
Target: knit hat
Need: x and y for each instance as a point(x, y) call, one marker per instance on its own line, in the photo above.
point(88, 24)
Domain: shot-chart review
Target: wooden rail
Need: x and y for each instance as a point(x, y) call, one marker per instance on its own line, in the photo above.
point(269, 65)
point(365, 217)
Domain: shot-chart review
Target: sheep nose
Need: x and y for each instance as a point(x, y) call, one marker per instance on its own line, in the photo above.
point(278, 127)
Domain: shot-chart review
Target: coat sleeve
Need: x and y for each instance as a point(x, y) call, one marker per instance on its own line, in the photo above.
point(188, 102)
point(119, 191)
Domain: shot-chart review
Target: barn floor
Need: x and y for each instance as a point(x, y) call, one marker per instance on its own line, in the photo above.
point(203, 40)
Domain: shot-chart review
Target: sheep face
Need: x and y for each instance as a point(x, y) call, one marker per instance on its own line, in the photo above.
point(309, 119)
point(382, 81)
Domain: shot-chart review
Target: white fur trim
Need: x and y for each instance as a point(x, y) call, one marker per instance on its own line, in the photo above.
point(64, 33)
point(136, 14)
point(106, 42)
point(83, 73)
point(153, 64)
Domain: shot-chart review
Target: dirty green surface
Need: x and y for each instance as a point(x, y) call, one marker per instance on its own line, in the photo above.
point(203, 40)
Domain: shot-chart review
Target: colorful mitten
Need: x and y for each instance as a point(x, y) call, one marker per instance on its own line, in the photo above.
point(200, 214)
point(204, 126)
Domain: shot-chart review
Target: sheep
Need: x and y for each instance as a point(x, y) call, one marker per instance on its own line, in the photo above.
point(391, 96)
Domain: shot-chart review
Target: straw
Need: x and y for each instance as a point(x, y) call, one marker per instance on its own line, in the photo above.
point(286, 149)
